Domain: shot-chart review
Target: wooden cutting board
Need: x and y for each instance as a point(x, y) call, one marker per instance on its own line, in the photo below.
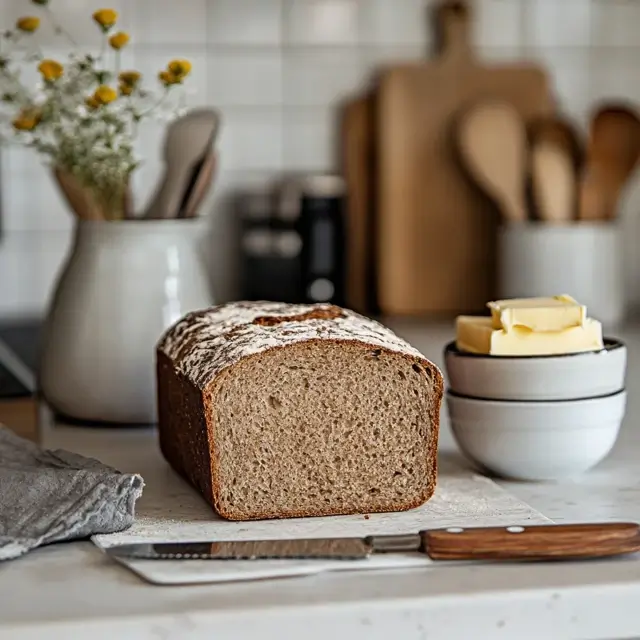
point(358, 160)
point(436, 231)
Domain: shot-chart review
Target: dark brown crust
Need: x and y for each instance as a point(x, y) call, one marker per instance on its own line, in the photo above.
point(188, 442)
point(182, 427)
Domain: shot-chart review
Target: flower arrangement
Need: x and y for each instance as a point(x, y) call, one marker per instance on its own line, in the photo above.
point(83, 115)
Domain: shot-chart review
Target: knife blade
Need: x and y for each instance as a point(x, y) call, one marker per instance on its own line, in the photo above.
point(330, 548)
point(538, 542)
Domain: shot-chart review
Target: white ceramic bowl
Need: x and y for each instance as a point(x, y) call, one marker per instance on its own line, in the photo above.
point(565, 377)
point(536, 440)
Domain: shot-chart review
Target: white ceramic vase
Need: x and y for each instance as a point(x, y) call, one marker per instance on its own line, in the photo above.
point(123, 284)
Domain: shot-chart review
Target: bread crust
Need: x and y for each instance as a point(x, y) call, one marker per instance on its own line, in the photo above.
point(187, 428)
point(184, 436)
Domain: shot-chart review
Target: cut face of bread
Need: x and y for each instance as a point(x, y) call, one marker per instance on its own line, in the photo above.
point(320, 428)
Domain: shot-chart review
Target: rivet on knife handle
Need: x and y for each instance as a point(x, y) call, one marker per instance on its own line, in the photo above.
point(539, 542)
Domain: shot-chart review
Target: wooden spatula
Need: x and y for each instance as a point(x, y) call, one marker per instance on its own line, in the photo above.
point(187, 141)
point(492, 140)
point(612, 157)
point(556, 158)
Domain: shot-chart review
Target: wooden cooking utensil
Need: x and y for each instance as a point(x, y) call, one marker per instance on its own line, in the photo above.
point(553, 181)
point(436, 233)
point(199, 186)
point(612, 157)
point(492, 139)
point(358, 157)
point(84, 204)
point(78, 198)
point(560, 131)
point(187, 141)
point(556, 160)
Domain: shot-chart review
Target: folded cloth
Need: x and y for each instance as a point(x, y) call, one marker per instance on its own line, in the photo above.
point(51, 496)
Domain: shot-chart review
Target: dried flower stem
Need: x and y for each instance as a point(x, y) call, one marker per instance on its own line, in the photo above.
point(57, 28)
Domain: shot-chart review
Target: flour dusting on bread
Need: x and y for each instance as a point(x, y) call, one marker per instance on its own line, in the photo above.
point(200, 347)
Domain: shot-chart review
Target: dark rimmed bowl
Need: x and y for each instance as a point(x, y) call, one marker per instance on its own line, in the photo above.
point(538, 440)
point(573, 376)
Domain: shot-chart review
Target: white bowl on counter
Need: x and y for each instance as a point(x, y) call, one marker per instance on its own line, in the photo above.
point(536, 440)
point(559, 377)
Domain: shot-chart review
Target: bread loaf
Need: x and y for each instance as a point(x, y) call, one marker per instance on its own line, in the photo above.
point(280, 411)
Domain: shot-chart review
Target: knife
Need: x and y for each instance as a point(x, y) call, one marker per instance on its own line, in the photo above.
point(539, 542)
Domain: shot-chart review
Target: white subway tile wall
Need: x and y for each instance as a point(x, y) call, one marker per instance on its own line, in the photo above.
point(277, 70)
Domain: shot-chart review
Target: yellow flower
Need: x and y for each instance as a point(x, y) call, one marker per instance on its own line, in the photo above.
point(105, 94)
point(128, 82)
point(130, 78)
point(179, 69)
point(167, 78)
point(119, 40)
point(106, 18)
point(175, 73)
point(28, 24)
point(91, 103)
point(50, 70)
point(27, 120)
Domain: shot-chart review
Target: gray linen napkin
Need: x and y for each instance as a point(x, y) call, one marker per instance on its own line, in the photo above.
point(51, 496)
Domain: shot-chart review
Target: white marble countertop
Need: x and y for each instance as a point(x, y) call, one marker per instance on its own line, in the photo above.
point(73, 591)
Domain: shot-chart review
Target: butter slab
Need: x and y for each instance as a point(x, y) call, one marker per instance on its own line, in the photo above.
point(553, 313)
point(475, 334)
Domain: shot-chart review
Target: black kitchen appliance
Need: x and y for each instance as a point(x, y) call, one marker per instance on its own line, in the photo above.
point(270, 248)
point(293, 242)
point(322, 232)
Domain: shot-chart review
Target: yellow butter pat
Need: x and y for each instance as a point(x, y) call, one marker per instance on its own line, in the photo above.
point(538, 314)
point(476, 334)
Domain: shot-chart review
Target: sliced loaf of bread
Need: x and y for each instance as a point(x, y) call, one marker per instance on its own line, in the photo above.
point(280, 411)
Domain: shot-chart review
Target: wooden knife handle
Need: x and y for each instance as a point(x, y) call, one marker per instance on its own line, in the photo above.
point(540, 542)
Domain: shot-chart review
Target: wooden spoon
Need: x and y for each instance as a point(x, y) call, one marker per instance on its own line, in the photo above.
point(556, 159)
point(187, 141)
point(492, 140)
point(199, 187)
point(612, 157)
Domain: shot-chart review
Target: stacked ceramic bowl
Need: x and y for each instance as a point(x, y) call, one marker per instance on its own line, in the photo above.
point(537, 417)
